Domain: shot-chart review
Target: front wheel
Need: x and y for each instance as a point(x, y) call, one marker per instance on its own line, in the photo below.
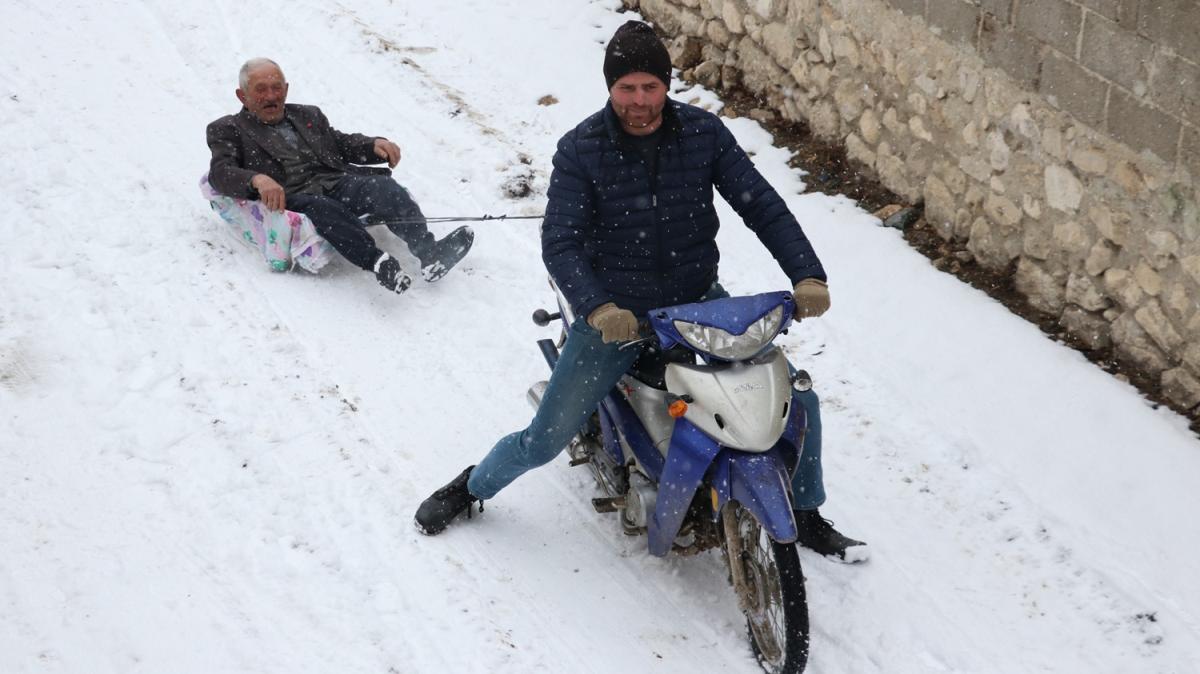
point(770, 589)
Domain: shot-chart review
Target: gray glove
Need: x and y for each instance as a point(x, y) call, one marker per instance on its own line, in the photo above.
point(812, 298)
point(614, 323)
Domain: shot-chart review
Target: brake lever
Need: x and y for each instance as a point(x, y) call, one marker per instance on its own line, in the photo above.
point(643, 326)
point(634, 342)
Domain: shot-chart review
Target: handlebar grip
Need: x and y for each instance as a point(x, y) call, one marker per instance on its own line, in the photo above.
point(542, 318)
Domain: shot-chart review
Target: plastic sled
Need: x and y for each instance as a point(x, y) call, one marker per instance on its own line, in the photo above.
point(284, 239)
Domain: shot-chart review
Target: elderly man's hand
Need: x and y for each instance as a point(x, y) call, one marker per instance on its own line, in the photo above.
point(812, 298)
point(270, 193)
point(386, 149)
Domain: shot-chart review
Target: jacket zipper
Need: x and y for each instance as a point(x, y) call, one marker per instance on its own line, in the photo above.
point(658, 233)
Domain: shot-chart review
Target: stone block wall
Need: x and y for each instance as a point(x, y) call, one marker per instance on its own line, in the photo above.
point(1056, 139)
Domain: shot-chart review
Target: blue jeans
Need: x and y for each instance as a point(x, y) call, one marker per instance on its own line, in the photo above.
point(587, 370)
point(335, 215)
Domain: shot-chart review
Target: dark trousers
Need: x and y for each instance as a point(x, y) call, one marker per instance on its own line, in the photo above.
point(336, 216)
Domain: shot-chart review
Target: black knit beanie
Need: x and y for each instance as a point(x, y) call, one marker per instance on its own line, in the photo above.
point(635, 48)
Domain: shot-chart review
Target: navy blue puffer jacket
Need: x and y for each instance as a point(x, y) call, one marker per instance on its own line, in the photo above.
point(615, 233)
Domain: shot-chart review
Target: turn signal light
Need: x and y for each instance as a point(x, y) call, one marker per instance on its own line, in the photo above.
point(677, 408)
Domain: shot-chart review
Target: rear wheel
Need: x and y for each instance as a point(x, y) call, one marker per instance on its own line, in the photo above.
point(770, 588)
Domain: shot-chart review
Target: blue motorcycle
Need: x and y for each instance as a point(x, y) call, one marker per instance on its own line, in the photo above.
point(695, 449)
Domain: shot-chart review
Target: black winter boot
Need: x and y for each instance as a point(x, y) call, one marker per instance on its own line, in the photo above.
point(437, 511)
point(444, 254)
point(390, 275)
point(817, 534)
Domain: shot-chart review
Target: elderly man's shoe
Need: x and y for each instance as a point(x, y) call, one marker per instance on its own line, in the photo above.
point(444, 254)
point(390, 275)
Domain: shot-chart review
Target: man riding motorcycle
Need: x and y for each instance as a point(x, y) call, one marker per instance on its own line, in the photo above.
point(630, 225)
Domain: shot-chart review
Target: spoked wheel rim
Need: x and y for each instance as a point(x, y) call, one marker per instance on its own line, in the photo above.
point(768, 624)
point(771, 594)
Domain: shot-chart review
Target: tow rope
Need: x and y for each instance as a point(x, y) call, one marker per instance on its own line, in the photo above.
point(456, 218)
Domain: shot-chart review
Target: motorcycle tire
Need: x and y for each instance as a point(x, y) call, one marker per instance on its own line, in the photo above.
point(772, 595)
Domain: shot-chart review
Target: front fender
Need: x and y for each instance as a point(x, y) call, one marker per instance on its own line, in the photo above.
point(760, 481)
point(761, 484)
point(688, 459)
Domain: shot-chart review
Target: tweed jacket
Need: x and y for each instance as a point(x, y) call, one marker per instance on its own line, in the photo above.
point(243, 147)
point(614, 232)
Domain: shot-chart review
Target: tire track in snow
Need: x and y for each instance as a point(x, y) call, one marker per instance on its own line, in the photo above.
point(519, 167)
point(995, 543)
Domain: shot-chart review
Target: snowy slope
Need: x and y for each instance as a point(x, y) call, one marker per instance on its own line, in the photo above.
point(207, 467)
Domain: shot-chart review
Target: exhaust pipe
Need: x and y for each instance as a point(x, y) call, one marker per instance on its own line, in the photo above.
point(535, 393)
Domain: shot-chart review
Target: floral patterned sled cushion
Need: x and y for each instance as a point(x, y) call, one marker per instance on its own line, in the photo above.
point(285, 239)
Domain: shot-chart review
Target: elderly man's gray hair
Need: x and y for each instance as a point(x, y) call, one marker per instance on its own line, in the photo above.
point(253, 64)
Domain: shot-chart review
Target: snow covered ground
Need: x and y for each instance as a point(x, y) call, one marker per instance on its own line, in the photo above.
point(207, 467)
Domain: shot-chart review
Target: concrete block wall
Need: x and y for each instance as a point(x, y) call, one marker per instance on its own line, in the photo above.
point(1058, 140)
point(1130, 68)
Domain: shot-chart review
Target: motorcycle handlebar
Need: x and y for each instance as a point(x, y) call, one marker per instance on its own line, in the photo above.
point(643, 328)
point(542, 318)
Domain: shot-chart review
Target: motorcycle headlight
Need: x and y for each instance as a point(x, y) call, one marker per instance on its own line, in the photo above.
point(728, 346)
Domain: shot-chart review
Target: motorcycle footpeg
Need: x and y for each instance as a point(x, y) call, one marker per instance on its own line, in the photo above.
point(608, 504)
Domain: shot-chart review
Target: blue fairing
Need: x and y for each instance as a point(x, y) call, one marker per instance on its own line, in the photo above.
point(731, 314)
point(691, 453)
point(611, 446)
point(760, 481)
